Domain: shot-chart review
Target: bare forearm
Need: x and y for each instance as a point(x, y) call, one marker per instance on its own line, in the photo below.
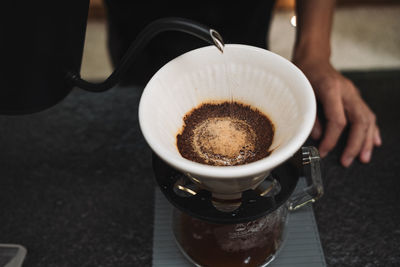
point(342, 104)
point(314, 24)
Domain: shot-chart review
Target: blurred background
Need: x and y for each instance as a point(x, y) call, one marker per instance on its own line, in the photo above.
point(365, 36)
point(75, 187)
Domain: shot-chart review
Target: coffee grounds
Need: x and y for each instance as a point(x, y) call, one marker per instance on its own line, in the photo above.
point(225, 134)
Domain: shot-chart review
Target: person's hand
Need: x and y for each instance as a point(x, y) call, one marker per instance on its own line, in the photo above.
point(342, 105)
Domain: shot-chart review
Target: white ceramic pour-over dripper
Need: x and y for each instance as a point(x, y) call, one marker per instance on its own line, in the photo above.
point(250, 75)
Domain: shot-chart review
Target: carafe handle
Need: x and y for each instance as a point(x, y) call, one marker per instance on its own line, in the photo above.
point(314, 189)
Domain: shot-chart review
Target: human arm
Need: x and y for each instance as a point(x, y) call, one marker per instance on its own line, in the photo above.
point(341, 101)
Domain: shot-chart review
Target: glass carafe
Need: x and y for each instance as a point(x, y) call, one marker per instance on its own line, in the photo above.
point(252, 243)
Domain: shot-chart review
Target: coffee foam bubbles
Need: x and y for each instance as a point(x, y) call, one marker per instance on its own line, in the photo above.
point(224, 141)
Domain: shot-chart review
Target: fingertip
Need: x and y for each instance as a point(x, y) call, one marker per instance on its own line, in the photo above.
point(346, 161)
point(377, 140)
point(365, 156)
point(323, 153)
point(377, 137)
point(324, 148)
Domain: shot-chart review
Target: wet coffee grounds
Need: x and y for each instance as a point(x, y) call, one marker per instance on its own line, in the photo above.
point(225, 134)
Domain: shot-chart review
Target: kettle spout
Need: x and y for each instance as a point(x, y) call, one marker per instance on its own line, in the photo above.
point(217, 39)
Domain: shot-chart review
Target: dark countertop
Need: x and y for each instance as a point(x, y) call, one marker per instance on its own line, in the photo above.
point(359, 216)
point(76, 184)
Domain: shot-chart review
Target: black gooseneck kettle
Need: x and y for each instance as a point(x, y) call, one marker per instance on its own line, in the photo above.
point(41, 50)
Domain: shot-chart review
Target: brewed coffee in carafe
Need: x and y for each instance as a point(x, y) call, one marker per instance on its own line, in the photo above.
point(251, 243)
